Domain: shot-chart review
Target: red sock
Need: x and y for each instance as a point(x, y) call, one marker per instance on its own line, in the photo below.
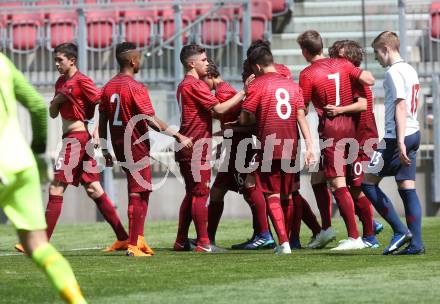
point(199, 212)
point(108, 211)
point(309, 217)
point(324, 202)
point(135, 224)
point(215, 211)
point(53, 211)
point(346, 208)
point(287, 206)
point(277, 217)
point(145, 196)
point(257, 197)
point(251, 204)
point(365, 214)
point(184, 219)
point(295, 228)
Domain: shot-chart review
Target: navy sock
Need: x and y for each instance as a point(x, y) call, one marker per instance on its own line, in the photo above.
point(413, 213)
point(384, 206)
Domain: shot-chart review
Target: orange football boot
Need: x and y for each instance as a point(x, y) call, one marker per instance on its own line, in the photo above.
point(143, 246)
point(134, 251)
point(19, 247)
point(117, 246)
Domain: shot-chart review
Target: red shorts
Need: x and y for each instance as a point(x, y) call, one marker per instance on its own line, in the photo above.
point(74, 165)
point(334, 160)
point(276, 181)
point(140, 181)
point(355, 172)
point(196, 184)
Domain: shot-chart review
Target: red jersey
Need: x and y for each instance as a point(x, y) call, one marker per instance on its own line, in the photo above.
point(365, 121)
point(283, 70)
point(122, 99)
point(82, 96)
point(195, 102)
point(224, 92)
point(275, 100)
point(328, 81)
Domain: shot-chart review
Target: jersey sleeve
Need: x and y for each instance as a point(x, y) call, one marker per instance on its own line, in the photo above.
point(252, 100)
point(354, 72)
point(306, 86)
point(142, 101)
point(34, 102)
point(89, 90)
point(397, 85)
point(300, 99)
point(203, 95)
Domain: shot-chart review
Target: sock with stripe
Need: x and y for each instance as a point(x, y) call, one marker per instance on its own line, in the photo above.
point(384, 206)
point(277, 217)
point(109, 213)
point(346, 208)
point(59, 272)
point(413, 213)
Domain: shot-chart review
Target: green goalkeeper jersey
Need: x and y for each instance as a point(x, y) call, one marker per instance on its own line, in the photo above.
point(15, 153)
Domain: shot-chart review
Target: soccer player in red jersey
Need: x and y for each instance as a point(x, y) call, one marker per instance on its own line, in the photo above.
point(229, 176)
point(197, 106)
point(366, 135)
point(75, 99)
point(328, 81)
point(276, 105)
point(126, 105)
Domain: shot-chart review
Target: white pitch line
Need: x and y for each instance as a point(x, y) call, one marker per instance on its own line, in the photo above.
point(68, 250)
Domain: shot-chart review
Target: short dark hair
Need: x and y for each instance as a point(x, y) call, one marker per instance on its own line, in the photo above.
point(247, 70)
point(257, 44)
point(352, 51)
point(121, 48)
point(189, 51)
point(262, 56)
point(69, 50)
point(311, 41)
point(212, 69)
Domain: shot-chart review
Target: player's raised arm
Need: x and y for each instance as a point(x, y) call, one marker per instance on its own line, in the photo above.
point(34, 102)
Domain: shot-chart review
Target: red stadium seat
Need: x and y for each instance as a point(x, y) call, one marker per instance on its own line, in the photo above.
point(101, 29)
point(279, 7)
point(261, 21)
point(138, 27)
point(435, 20)
point(25, 31)
point(48, 2)
point(215, 29)
point(61, 27)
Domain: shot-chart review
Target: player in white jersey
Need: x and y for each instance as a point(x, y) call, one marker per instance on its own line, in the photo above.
point(396, 156)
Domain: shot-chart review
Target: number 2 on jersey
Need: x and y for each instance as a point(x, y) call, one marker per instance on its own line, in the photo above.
point(283, 101)
point(117, 98)
point(336, 78)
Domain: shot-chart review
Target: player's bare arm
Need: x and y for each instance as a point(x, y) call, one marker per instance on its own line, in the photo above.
point(305, 130)
point(54, 108)
point(160, 126)
point(367, 78)
point(356, 107)
point(400, 130)
point(102, 135)
point(224, 107)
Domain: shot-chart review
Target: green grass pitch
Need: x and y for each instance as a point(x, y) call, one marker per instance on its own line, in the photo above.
point(306, 276)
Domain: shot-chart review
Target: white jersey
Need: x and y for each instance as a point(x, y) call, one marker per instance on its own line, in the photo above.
point(401, 82)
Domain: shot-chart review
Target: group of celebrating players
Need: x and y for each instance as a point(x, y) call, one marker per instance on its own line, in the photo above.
point(261, 127)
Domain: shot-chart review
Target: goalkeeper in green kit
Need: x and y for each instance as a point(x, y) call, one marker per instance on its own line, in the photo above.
point(20, 170)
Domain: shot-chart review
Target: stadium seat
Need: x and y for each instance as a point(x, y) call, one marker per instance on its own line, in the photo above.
point(434, 13)
point(61, 27)
point(49, 2)
point(261, 21)
point(25, 31)
point(138, 27)
point(279, 7)
point(215, 29)
point(101, 29)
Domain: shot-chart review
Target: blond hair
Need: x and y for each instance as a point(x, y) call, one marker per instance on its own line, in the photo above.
point(387, 38)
